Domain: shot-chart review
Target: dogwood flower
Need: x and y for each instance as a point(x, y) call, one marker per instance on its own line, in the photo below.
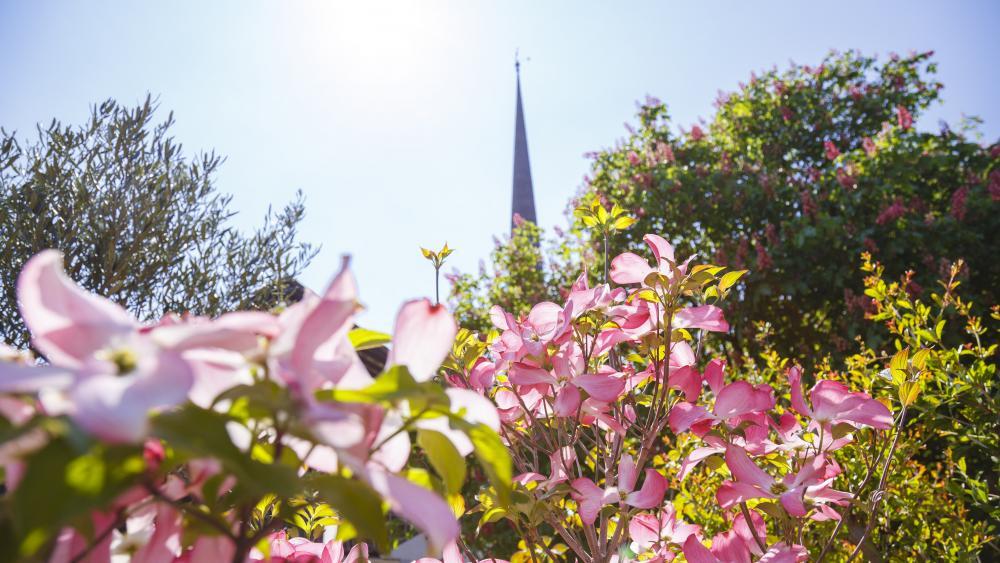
point(104, 371)
point(833, 402)
point(752, 482)
point(590, 498)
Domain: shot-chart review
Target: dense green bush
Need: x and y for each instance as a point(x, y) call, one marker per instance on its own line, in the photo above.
point(794, 176)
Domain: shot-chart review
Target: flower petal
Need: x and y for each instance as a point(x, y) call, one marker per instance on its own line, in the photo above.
point(705, 317)
point(629, 268)
point(651, 493)
point(423, 338)
point(745, 470)
point(602, 387)
point(421, 507)
point(67, 323)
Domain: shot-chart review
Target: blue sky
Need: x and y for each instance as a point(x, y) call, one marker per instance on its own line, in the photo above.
point(396, 119)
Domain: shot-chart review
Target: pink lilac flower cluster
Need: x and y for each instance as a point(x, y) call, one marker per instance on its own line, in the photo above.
point(568, 386)
point(108, 373)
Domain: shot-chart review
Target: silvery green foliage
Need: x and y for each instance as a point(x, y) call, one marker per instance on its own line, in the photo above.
point(138, 220)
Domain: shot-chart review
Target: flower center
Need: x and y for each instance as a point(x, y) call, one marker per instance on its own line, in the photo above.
point(124, 359)
point(778, 488)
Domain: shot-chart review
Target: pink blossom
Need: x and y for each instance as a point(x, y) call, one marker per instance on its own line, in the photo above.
point(831, 150)
point(958, 199)
point(833, 402)
point(301, 550)
point(664, 527)
point(869, 146)
point(629, 268)
point(590, 498)
point(108, 375)
point(734, 400)
point(892, 212)
point(904, 118)
point(752, 482)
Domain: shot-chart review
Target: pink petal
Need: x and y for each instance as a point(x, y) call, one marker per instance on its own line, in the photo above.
point(811, 473)
point(696, 552)
point(705, 317)
point(662, 249)
point(739, 398)
point(681, 354)
point(608, 339)
point(590, 498)
point(19, 378)
point(696, 457)
point(798, 401)
point(792, 501)
point(567, 401)
point(423, 338)
point(730, 547)
point(831, 399)
point(116, 408)
point(604, 388)
point(629, 268)
point(651, 493)
point(714, 375)
point(644, 529)
point(67, 323)
point(330, 317)
point(545, 318)
point(871, 412)
point(741, 527)
point(521, 373)
point(731, 493)
point(166, 538)
point(745, 470)
point(687, 380)
point(685, 415)
point(783, 553)
point(238, 332)
point(627, 473)
point(501, 319)
point(421, 507)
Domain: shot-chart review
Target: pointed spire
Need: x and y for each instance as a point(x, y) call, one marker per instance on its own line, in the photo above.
point(523, 201)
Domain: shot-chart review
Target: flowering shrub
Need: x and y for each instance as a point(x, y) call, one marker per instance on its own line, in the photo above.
point(261, 437)
point(597, 394)
point(249, 437)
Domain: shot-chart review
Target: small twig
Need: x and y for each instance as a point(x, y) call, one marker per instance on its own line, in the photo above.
point(879, 494)
point(753, 529)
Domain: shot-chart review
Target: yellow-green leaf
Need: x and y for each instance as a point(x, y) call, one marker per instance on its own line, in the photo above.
point(730, 279)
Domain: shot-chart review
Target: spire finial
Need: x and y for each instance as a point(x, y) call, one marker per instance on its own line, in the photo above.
point(517, 61)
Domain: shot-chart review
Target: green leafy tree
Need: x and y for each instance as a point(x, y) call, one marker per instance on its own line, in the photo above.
point(137, 220)
point(523, 272)
point(798, 173)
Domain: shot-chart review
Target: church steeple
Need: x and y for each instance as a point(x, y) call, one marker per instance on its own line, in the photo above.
point(523, 201)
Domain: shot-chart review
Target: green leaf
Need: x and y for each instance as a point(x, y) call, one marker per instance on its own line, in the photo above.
point(623, 222)
point(908, 392)
point(196, 432)
point(899, 366)
point(364, 339)
point(395, 384)
point(494, 457)
point(730, 279)
point(66, 480)
point(357, 503)
point(444, 458)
